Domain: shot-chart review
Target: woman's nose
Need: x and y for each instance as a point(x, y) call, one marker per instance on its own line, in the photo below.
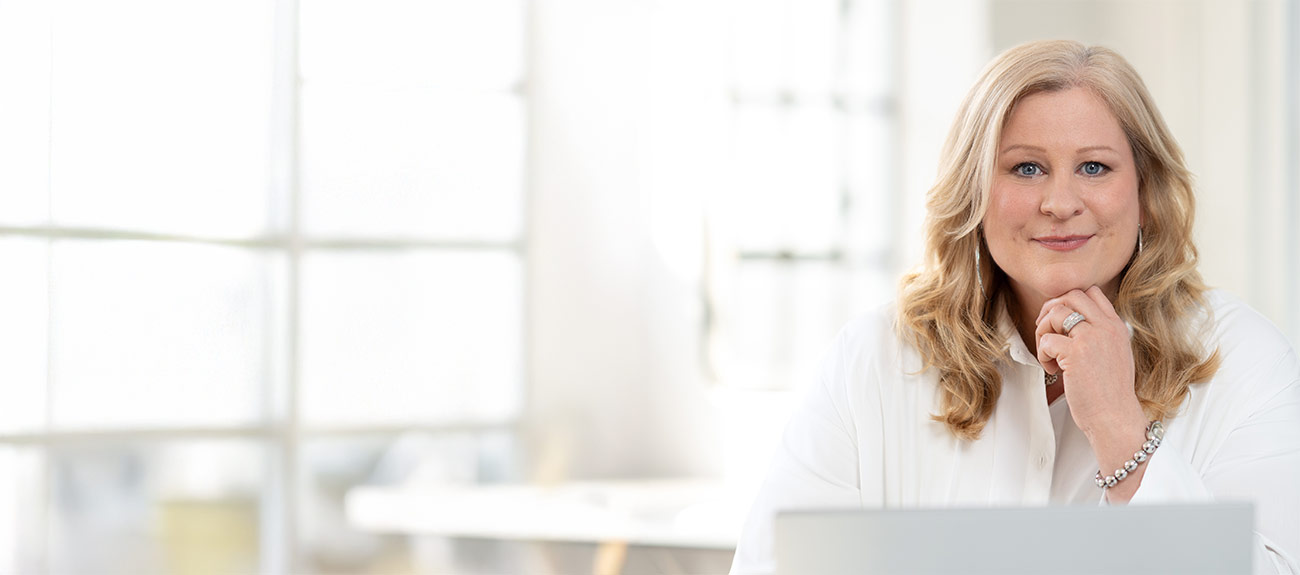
point(1061, 198)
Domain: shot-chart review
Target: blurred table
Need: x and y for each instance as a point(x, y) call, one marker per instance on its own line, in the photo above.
point(683, 513)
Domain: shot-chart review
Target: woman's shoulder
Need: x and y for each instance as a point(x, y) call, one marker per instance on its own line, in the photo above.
point(871, 324)
point(870, 331)
point(1235, 327)
point(872, 338)
point(1256, 359)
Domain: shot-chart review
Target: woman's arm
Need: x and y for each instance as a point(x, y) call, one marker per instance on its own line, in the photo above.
point(1258, 461)
point(1237, 438)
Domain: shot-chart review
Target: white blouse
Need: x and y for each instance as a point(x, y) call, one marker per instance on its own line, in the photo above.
point(863, 438)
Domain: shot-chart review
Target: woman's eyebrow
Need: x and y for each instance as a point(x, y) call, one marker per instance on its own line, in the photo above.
point(1023, 147)
point(1095, 149)
point(1041, 149)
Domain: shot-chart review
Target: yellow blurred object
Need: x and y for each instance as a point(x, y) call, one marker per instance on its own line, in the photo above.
point(610, 557)
point(209, 536)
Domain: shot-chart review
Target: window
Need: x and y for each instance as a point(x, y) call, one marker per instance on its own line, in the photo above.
point(802, 238)
point(255, 253)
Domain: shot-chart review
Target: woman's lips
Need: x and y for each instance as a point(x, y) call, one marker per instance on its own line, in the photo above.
point(1063, 243)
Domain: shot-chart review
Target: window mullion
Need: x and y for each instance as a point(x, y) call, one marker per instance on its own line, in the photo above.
point(279, 507)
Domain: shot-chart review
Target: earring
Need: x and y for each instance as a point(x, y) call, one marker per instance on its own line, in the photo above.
point(1139, 238)
point(979, 274)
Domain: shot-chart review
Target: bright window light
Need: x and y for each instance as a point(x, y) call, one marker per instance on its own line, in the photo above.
point(24, 113)
point(806, 221)
point(411, 337)
point(475, 45)
point(413, 163)
point(160, 116)
point(786, 189)
point(158, 334)
point(24, 300)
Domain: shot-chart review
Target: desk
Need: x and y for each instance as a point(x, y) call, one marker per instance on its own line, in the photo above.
point(685, 513)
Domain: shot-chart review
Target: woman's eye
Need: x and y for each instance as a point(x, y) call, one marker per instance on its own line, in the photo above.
point(1027, 169)
point(1093, 168)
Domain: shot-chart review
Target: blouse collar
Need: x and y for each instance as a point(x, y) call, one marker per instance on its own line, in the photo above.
point(1015, 346)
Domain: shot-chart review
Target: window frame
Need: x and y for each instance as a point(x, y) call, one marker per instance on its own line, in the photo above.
point(280, 432)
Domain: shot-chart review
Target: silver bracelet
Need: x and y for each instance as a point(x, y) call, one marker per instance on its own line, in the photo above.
point(1155, 434)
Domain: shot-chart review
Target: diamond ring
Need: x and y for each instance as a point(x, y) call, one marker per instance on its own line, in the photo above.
point(1071, 321)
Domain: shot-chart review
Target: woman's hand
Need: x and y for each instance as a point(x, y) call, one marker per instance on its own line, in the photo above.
point(1096, 358)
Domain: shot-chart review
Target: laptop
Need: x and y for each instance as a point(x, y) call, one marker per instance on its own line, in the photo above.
point(1185, 539)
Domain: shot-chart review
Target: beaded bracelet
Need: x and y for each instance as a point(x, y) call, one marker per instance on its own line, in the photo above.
point(1155, 434)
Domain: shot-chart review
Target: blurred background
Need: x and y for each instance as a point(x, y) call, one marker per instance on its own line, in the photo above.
point(500, 286)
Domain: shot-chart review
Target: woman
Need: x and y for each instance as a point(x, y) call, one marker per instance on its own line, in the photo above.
point(1058, 346)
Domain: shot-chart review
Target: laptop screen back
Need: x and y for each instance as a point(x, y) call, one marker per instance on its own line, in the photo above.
point(1185, 539)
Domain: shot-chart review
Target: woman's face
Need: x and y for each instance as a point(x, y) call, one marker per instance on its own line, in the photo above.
point(1063, 212)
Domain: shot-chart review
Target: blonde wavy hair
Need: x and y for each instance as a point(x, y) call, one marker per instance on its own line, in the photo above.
point(942, 310)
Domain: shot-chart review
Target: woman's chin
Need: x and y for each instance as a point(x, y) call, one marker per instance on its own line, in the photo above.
point(1060, 286)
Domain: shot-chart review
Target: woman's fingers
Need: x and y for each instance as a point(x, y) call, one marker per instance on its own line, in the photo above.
point(1103, 303)
point(1050, 347)
point(1071, 301)
point(1055, 312)
point(1097, 314)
